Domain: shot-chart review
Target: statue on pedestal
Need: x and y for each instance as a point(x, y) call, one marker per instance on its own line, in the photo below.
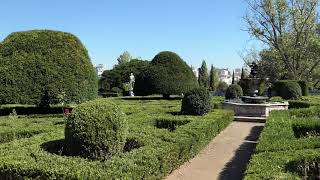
point(131, 84)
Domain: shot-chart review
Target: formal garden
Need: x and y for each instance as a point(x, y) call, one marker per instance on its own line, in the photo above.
point(143, 119)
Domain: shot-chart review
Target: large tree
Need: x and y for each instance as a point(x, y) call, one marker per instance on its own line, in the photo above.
point(124, 58)
point(203, 78)
point(287, 27)
point(213, 78)
point(120, 74)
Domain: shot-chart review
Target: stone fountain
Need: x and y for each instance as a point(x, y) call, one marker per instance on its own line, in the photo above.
point(252, 107)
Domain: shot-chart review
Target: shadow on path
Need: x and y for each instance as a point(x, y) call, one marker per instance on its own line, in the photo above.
point(235, 168)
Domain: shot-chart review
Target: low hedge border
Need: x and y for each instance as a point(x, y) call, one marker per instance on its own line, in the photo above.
point(289, 142)
point(163, 151)
point(16, 127)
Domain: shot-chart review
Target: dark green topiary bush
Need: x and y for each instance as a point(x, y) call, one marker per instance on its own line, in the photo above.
point(287, 89)
point(196, 102)
point(96, 130)
point(170, 75)
point(37, 66)
point(304, 88)
point(234, 91)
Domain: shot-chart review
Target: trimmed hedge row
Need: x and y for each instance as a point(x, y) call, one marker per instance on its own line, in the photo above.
point(289, 142)
point(16, 127)
point(162, 150)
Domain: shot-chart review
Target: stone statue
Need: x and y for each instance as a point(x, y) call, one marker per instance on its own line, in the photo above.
point(131, 84)
point(254, 70)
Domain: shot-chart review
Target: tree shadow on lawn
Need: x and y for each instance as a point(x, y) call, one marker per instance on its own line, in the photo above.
point(150, 98)
point(5, 111)
point(57, 147)
point(235, 168)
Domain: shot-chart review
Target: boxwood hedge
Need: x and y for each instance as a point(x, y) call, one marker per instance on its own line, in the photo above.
point(160, 150)
point(39, 65)
point(288, 147)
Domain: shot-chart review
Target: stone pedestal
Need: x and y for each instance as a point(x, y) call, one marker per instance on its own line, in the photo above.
point(250, 112)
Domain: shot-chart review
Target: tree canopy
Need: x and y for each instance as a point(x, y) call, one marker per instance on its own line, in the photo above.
point(289, 29)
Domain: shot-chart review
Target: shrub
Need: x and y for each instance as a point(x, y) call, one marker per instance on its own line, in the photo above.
point(296, 104)
point(38, 65)
point(234, 91)
point(287, 89)
point(196, 102)
point(221, 89)
point(171, 75)
point(96, 130)
point(304, 88)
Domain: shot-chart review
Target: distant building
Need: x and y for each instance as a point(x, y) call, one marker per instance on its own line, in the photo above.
point(226, 76)
point(100, 68)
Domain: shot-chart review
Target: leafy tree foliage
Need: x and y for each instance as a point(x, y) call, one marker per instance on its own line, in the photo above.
point(289, 29)
point(120, 74)
point(214, 78)
point(124, 58)
point(39, 65)
point(203, 78)
point(169, 74)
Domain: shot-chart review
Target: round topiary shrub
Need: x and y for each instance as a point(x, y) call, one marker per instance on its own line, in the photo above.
point(196, 102)
point(96, 130)
point(170, 75)
point(234, 91)
point(287, 89)
point(39, 65)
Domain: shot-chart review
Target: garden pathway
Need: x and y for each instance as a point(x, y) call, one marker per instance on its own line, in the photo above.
point(225, 157)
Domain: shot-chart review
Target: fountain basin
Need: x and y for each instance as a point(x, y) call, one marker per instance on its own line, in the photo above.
point(254, 99)
point(253, 112)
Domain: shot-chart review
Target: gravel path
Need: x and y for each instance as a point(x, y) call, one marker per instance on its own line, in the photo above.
point(225, 157)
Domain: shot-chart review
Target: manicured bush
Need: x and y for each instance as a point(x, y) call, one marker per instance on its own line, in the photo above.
point(304, 88)
point(296, 104)
point(287, 89)
point(38, 65)
point(170, 75)
point(288, 146)
point(234, 91)
point(196, 102)
point(96, 130)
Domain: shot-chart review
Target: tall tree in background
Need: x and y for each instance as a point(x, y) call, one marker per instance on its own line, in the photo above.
point(287, 27)
point(203, 75)
point(124, 58)
point(243, 74)
point(213, 78)
point(233, 82)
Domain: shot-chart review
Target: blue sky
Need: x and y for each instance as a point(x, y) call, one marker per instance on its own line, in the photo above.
point(195, 29)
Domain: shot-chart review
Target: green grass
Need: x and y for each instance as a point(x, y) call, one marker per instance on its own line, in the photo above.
point(163, 149)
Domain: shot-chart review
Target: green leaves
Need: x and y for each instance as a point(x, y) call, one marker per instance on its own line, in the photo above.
point(39, 65)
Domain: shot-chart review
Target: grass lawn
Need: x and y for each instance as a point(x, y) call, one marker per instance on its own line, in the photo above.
point(159, 141)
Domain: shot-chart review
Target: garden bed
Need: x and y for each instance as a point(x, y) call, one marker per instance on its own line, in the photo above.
point(153, 149)
point(288, 147)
